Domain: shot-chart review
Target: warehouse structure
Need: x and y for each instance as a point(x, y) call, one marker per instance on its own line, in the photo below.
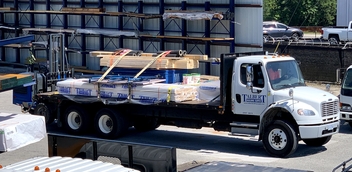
point(199, 27)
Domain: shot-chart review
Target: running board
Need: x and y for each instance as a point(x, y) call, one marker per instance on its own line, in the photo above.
point(244, 129)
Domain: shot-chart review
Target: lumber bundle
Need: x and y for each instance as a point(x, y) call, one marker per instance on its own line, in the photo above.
point(141, 62)
point(7, 9)
point(8, 81)
point(73, 9)
point(172, 61)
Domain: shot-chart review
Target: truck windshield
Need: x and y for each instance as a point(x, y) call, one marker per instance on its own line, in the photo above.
point(346, 88)
point(284, 74)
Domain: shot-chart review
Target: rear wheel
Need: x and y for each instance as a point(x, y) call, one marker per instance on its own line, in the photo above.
point(334, 40)
point(280, 139)
point(43, 110)
point(76, 120)
point(318, 141)
point(110, 124)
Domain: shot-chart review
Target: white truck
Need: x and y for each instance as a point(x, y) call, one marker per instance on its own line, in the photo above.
point(337, 34)
point(246, 102)
point(346, 96)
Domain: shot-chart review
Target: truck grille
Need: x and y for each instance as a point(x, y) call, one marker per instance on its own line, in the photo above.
point(329, 108)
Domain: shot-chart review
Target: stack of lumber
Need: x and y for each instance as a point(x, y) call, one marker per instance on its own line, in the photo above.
point(187, 61)
point(74, 9)
point(151, 93)
point(8, 81)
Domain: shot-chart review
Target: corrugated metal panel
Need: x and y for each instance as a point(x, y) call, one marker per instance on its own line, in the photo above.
point(65, 164)
point(343, 12)
point(248, 28)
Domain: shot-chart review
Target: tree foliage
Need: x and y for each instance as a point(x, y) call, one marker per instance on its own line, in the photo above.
point(301, 12)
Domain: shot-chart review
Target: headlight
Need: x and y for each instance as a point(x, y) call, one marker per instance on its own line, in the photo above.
point(344, 107)
point(305, 112)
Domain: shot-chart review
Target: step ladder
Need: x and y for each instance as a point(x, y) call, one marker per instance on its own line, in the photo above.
point(244, 129)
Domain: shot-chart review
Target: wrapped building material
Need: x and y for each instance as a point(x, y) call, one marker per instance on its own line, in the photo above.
point(152, 93)
point(209, 90)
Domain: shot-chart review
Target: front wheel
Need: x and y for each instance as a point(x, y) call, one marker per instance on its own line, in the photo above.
point(280, 139)
point(295, 37)
point(110, 124)
point(317, 141)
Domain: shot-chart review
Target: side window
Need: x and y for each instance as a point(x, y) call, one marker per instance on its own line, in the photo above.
point(281, 26)
point(257, 75)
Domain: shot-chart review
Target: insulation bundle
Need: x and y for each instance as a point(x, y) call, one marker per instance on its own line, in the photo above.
point(209, 90)
point(152, 93)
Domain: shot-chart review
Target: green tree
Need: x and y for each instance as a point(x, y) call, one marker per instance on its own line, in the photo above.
point(301, 12)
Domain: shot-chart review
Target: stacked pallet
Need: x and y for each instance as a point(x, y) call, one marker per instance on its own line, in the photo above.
point(8, 81)
point(186, 61)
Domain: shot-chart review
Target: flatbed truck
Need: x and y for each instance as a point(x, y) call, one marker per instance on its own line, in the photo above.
point(281, 112)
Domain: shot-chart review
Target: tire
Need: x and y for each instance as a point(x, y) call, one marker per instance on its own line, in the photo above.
point(76, 120)
point(317, 142)
point(146, 124)
point(295, 37)
point(43, 110)
point(266, 38)
point(280, 139)
point(334, 40)
point(109, 124)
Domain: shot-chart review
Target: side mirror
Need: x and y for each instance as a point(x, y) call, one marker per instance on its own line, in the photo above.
point(249, 76)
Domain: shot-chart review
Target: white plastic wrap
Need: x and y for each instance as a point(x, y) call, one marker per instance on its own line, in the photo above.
point(151, 93)
point(105, 32)
point(189, 15)
point(19, 130)
point(209, 90)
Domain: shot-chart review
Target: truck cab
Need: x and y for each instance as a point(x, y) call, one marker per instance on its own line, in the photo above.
point(346, 96)
point(289, 110)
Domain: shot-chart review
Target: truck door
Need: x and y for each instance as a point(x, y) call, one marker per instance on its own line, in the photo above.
point(249, 101)
point(349, 32)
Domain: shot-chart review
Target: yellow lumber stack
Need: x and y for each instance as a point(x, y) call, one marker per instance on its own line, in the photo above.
point(188, 61)
point(8, 81)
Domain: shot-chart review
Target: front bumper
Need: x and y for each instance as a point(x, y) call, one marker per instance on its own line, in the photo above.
point(317, 131)
point(347, 116)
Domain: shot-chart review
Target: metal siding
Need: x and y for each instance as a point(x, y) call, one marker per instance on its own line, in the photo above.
point(131, 44)
point(151, 47)
point(111, 44)
point(343, 12)
point(249, 29)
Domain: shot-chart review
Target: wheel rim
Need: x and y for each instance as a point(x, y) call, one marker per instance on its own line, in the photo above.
point(333, 41)
point(265, 38)
point(74, 120)
point(277, 139)
point(295, 37)
point(105, 124)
